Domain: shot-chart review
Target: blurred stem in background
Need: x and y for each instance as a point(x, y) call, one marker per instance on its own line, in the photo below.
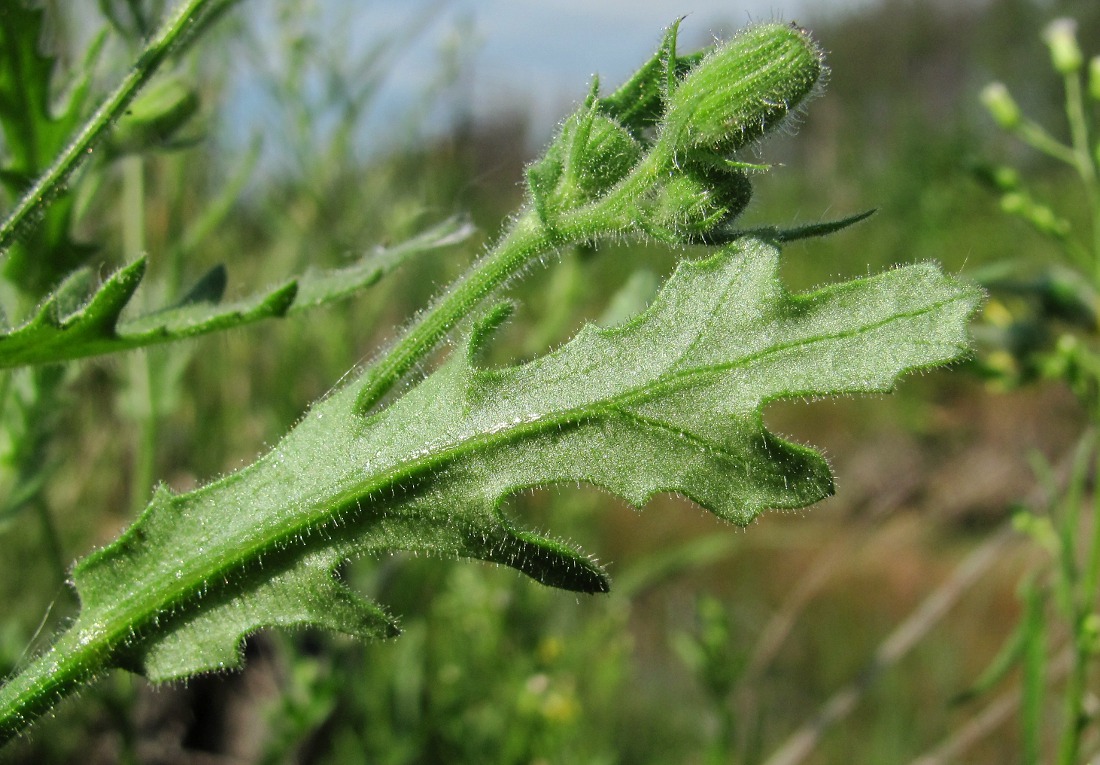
point(1060, 320)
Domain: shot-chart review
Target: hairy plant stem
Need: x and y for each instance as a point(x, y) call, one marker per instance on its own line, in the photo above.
point(80, 653)
point(528, 240)
point(171, 34)
point(86, 650)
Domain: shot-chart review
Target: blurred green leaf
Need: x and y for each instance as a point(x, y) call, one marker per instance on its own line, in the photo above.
point(35, 129)
point(57, 332)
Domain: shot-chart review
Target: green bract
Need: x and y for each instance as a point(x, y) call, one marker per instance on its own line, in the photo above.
point(591, 154)
point(693, 203)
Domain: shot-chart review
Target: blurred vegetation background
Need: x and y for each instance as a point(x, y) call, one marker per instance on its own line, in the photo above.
point(715, 644)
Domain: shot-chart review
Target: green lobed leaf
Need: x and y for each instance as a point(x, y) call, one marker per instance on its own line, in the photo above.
point(317, 287)
point(668, 402)
point(32, 134)
point(61, 331)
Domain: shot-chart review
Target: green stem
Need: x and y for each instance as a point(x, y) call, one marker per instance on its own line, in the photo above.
point(174, 31)
point(1083, 594)
point(1076, 718)
point(1034, 678)
point(1035, 136)
point(1070, 601)
point(1078, 128)
point(1068, 527)
point(527, 240)
point(78, 655)
point(1091, 588)
point(1084, 161)
point(141, 368)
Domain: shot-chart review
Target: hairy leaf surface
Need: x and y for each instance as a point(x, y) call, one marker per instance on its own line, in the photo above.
point(66, 327)
point(668, 402)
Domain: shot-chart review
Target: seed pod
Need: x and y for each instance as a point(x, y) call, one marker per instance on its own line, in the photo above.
point(741, 91)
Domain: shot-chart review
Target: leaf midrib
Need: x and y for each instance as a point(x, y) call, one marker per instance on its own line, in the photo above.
point(285, 536)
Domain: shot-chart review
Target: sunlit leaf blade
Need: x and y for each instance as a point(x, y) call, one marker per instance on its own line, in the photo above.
point(668, 402)
point(58, 332)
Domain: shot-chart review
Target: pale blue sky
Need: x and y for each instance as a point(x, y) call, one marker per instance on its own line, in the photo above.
point(545, 52)
point(531, 56)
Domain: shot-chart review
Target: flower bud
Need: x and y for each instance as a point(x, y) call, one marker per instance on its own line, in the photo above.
point(693, 204)
point(1094, 78)
point(741, 91)
point(609, 154)
point(1000, 105)
point(1061, 37)
point(590, 155)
